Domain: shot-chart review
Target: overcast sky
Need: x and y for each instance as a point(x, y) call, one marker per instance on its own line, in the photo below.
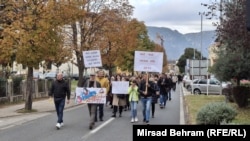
point(181, 15)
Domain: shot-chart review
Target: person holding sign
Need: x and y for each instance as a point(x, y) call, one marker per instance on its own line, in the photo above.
point(119, 100)
point(146, 90)
point(92, 107)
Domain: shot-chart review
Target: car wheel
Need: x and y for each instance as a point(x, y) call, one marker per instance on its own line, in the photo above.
point(197, 91)
point(189, 88)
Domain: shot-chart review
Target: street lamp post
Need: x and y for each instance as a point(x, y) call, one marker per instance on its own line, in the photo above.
point(201, 14)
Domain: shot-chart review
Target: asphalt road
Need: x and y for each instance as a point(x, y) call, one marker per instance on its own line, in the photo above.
point(41, 126)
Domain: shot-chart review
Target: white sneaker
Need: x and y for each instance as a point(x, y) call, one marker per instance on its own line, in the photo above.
point(58, 126)
point(132, 120)
point(62, 124)
point(136, 119)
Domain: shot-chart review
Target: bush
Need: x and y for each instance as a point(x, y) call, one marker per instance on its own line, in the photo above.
point(215, 113)
point(241, 95)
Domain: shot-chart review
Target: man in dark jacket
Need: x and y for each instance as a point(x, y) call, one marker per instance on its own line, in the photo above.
point(59, 91)
point(146, 89)
point(164, 85)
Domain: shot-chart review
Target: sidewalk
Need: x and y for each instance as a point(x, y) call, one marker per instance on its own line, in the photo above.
point(43, 105)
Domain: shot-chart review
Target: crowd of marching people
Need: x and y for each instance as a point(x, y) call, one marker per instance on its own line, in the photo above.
point(145, 89)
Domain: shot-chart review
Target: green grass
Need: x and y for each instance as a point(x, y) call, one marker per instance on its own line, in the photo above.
point(73, 85)
point(194, 102)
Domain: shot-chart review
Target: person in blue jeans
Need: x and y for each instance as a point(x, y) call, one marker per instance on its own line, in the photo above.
point(59, 91)
point(163, 84)
point(146, 89)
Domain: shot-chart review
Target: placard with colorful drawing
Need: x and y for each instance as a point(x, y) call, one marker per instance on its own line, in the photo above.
point(90, 95)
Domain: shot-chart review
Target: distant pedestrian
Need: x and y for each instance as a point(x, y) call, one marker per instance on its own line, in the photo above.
point(162, 83)
point(156, 94)
point(59, 91)
point(169, 87)
point(174, 81)
point(92, 107)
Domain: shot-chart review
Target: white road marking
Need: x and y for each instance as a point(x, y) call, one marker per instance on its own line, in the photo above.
point(96, 129)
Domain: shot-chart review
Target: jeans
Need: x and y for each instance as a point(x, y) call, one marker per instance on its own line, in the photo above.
point(169, 95)
point(163, 99)
point(146, 105)
point(59, 105)
point(133, 107)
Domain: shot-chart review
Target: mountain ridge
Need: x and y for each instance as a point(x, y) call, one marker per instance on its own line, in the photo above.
point(175, 42)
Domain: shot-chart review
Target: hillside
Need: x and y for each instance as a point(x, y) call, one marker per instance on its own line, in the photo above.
point(176, 42)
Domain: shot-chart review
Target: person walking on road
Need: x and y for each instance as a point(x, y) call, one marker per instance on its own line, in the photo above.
point(92, 107)
point(133, 100)
point(59, 91)
point(104, 84)
point(156, 94)
point(119, 100)
point(163, 84)
point(146, 90)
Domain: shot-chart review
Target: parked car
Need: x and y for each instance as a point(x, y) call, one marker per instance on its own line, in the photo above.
point(186, 79)
point(188, 84)
point(38, 75)
point(75, 76)
point(50, 75)
point(204, 86)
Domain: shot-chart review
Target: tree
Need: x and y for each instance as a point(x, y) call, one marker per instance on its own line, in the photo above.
point(88, 29)
point(32, 36)
point(134, 39)
point(188, 54)
point(160, 48)
point(234, 43)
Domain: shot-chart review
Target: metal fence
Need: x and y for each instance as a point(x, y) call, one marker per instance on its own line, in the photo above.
point(3, 88)
point(12, 91)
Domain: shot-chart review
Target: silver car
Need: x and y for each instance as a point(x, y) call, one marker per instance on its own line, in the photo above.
point(206, 86)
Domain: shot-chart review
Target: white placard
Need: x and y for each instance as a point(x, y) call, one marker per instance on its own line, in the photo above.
point(90, 95)
point(92, 58)
point(148, 61)
point(120, 87)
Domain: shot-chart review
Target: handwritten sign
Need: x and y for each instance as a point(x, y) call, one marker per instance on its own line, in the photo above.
point(148, 61)
point(90, 95)
point(92, 58)
point(120, 87)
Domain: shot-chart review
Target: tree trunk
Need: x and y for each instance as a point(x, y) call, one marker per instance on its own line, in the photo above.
point(28, 100)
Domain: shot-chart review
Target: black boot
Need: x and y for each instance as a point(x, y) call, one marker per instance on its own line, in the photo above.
point(114, 111)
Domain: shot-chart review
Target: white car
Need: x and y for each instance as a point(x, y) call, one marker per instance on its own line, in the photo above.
point(186, 79)
point(206, 86)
